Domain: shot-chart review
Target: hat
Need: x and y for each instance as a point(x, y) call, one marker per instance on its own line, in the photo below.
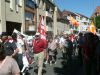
point(37, 33)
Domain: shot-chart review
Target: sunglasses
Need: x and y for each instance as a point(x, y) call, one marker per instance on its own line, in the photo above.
point(37, 36)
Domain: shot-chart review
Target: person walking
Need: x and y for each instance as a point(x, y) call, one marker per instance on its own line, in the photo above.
point(52, 50)
point(89, 54)
point(10, 46)
point(69, 48)
point(80, 47)
point(61, 45)
point(39, 47)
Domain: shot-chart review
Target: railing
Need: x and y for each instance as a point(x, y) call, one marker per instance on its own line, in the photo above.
point(48, 14)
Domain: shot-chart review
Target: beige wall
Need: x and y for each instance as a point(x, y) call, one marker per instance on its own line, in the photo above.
point(61, 27)
point(2, 16)
point(55, 22)
point(0, 9)
point(0, 27)
point(6, 14)
point(23, 16)
point(42, 11)
point(13, 15)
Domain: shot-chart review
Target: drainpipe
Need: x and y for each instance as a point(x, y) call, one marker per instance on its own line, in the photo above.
point(55, 22)
point(3, 16)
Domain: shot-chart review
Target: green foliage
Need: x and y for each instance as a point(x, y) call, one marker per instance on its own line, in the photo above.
point(97, 22)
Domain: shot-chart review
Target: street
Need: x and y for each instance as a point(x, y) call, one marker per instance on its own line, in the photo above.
point(66, 28)
point(60, 68)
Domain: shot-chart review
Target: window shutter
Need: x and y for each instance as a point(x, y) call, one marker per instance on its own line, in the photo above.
point(11, 4)
point(20, 3)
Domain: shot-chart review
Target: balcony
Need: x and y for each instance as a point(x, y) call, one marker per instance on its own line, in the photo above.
point(30, 4)
point(84, 20)
point(48, 14)
point(45, 13)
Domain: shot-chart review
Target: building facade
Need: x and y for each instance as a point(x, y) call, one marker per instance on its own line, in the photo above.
point(12, 15)
point(65, 25)
point(83, 22)
point(30, 16)
point(62, 24)
point(48, 10)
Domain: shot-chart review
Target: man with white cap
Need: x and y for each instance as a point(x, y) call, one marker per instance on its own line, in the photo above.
point(39, 47)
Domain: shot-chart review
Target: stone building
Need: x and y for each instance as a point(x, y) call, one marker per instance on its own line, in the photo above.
point(30, 17)
point(48, 10)
point(12, 15)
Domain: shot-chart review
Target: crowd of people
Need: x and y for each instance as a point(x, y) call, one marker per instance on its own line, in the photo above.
point(15, 52)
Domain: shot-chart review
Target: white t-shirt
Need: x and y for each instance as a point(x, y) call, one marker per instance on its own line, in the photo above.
point(62, 41)
point(20, 45)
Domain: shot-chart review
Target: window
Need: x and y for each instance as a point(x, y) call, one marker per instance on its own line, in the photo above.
point(29, 17)
point(7, 0)
point(30, 4)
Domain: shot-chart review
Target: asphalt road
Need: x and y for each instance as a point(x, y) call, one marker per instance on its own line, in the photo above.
point(62, 67)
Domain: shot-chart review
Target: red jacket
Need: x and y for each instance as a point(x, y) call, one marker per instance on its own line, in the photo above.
point(38, 45)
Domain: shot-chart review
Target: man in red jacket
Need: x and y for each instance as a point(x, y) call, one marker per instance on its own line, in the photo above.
point(39, 47)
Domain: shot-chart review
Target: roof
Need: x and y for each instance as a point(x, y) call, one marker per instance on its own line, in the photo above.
point(62, 15)
point(97, 11)
point(82, 15)
point(66, 12)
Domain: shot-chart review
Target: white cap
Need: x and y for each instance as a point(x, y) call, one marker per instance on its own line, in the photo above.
point(37, 33)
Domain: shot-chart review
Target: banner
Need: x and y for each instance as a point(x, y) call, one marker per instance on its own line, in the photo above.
point(42, 29)
point(19, 33)
point(73, 21)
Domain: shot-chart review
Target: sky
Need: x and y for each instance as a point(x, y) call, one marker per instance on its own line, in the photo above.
point(84, 7)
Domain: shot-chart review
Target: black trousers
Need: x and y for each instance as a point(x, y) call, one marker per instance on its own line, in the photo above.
point(18, 58)
point(51, 57)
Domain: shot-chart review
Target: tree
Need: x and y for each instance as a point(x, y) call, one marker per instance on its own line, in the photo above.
point(97, 22)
